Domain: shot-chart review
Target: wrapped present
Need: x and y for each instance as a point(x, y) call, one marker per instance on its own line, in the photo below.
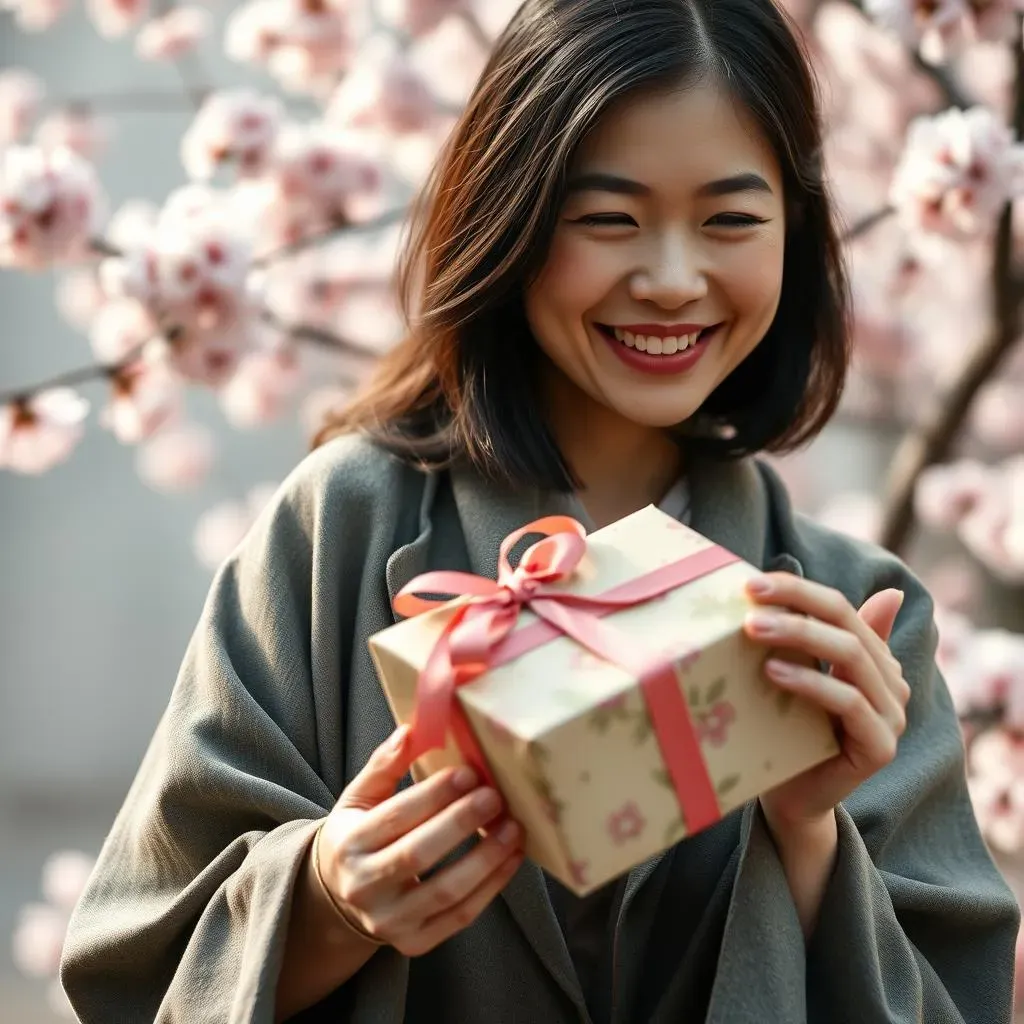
point(605, 686)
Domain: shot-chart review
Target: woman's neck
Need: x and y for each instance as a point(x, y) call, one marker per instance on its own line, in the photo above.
point(622, 466)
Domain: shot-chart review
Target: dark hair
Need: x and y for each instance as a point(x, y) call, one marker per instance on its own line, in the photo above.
point(464, 382)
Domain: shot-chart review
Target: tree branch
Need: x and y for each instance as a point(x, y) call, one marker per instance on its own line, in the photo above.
point(867, 222)
point(932, 441)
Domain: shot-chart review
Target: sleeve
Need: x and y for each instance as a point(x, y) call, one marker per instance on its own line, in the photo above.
point(917, 923)
point(185, 915)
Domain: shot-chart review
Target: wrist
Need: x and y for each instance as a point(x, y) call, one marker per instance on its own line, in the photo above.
point(792, 837)
point(343, 926)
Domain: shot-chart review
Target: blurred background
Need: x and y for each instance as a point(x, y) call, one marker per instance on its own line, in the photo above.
point(106, 559)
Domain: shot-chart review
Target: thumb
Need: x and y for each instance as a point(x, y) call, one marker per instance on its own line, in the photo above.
point(380, 776)
point(879, 611)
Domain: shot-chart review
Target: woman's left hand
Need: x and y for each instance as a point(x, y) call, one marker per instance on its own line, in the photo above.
point(864, 692)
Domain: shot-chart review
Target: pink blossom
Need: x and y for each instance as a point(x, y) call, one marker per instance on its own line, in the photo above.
point(947, 492)
point(65, 874)
point(222, 528)
point(305, 44)
point(955, 631)
point(237, 127)
point(132, 224)
point(998, 415)
point(76, 129)
point(177, 458)
point(996, 786)
point(957, 171)
point(121, 327)
point(39, 938)
point(325, 169)
point(42, 431)
point(260, 388)
point(626, 823)
point(50, 204)
point(114, 18)
point(418, 17)
point(935, 27)
point(80, 298)
point(21, 94)
point(174, 34)
point(35, 15)
point(954, 583)
point(993, 530)
point(146, 396)
point(385, 92)
point(191, 274)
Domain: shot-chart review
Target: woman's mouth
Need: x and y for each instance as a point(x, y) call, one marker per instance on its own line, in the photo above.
point(658, 355)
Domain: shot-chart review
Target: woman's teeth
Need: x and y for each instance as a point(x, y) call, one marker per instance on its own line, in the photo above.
point(656, 346)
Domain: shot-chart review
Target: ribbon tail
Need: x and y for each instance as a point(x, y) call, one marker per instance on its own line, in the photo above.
point(439, 713)
point(669, 713)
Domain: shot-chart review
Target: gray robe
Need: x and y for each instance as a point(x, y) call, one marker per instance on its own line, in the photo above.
point(277, 706)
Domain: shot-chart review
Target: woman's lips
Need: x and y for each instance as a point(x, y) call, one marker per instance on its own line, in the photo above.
point(678, 362)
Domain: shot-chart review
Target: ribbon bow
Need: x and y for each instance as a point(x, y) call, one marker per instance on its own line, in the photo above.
point(479, 636)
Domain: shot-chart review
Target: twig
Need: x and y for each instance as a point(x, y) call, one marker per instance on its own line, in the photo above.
point(932, 441)
point(72, 378)
point(346, 227)
point(952, 91)
point(154, 102)
point(867, 222)
point(317, 336)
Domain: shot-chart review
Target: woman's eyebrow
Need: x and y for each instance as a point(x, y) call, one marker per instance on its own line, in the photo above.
point(597, 181)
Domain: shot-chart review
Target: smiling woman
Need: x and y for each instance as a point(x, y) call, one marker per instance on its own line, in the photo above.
point(713, 159)
point(621, 280)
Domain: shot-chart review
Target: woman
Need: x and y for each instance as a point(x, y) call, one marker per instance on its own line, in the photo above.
point(623, 281)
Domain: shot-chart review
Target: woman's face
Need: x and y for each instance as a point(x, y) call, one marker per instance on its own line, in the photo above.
point(666, 266)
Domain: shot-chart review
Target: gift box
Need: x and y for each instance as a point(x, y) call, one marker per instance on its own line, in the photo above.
point(604, 685)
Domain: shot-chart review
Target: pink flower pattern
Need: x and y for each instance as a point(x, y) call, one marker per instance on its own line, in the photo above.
point(626, 823)
point(713, 725)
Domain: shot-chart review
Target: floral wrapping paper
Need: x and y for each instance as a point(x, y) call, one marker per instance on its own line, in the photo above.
point(567, 734)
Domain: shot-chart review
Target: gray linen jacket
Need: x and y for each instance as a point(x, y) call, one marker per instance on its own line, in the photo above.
point(277, 706)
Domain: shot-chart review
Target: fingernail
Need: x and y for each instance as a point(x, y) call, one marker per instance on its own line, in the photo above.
point(398, 737)
point(508, 833)
point(903, 597)
point(781, 670)
point(464, 779)
point(760, 585)
point(487, 801)
point(763, 623)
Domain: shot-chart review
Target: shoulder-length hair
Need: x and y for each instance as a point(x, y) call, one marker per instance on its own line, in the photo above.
point(463, 384)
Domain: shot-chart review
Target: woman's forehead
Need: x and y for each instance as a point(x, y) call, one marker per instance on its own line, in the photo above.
point(697, 134)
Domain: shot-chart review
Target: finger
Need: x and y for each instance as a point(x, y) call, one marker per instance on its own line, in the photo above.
point(454, 920)
point(879, 612)
point(401, 813)
point(820, 602)
point(843, 650)
point(380, 776)
point(863, 726)
point(457, 882)
point(422, 847)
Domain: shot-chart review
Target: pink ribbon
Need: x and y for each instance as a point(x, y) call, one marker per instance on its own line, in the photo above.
point(479, 636)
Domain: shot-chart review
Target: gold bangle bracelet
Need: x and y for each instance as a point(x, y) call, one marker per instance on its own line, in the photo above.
point(352, 925)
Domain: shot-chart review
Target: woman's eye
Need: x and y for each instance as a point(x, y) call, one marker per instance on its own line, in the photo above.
point(606, 218)
point(736, 220)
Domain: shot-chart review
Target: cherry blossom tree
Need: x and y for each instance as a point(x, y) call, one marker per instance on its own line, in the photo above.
point(265, 277)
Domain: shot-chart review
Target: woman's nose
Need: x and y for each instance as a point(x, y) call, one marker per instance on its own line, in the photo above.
point(672, 276)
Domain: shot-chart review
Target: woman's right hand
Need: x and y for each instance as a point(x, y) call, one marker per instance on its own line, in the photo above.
point(376, 843)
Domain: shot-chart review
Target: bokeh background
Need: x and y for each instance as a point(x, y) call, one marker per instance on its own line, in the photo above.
point(100, 583)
